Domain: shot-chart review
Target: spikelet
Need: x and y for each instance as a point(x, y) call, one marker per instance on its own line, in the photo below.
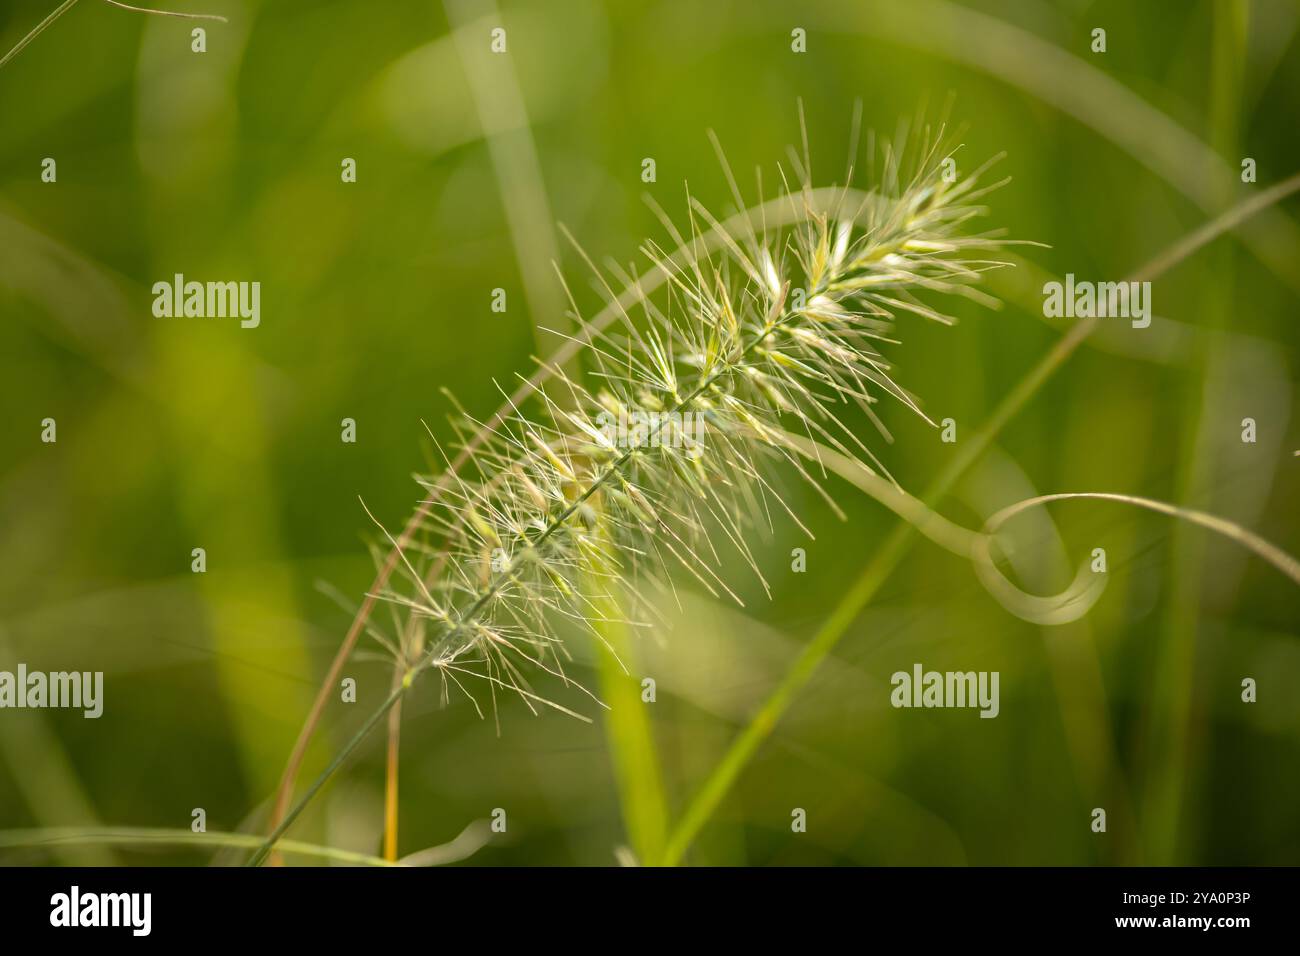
point(659, 462)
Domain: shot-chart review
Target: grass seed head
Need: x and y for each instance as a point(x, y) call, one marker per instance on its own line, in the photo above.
point(763, 327)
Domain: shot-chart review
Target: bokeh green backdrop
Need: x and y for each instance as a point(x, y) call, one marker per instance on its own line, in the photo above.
point(176, 434)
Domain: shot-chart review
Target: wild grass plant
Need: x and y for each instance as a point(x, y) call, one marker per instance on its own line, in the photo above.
point(546, 536)
point(777, 327)
point(546, 523)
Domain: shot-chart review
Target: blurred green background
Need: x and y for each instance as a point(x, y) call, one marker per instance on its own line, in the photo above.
point(176, 434)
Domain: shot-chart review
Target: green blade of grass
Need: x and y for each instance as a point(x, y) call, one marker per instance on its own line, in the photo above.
point(1169, 716)
point(628, 730)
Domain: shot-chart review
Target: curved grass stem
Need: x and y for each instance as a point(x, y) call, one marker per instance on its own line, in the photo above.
point(167, 13)
point(390, 771)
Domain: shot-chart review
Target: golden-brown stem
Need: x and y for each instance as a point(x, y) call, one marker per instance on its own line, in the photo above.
point(390, 777)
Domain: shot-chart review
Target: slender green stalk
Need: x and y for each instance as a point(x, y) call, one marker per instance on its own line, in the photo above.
point(265, 847)
point(762, 724)
point(628, 729)
point(37, 30)
point(1168, 730)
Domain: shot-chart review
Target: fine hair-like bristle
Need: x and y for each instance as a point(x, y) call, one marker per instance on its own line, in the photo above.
point(657, 459)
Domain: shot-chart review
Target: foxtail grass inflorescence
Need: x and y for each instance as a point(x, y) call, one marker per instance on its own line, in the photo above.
point(772, 333)
point(776, 333)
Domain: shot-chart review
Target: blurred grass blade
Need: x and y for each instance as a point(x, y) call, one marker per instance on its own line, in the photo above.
point(628, 729)
point(1081, 90)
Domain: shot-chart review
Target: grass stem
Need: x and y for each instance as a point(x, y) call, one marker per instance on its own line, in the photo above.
point(37, 30)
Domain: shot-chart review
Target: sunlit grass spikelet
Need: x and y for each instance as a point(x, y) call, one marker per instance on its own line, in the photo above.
point(778, 331)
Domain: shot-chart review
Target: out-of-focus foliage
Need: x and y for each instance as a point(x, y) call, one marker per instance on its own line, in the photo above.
point(175, 434)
